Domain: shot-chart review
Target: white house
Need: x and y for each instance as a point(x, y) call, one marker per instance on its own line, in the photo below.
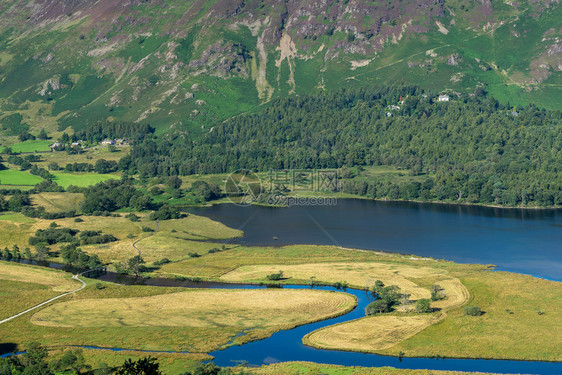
point(443, 98)
point(107, 142)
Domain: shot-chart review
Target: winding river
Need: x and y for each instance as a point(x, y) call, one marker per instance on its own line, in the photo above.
point(525, 241)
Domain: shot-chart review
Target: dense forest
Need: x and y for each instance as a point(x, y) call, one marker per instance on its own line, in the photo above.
point(472, 148)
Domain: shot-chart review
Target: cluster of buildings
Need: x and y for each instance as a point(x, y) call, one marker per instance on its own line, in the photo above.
point(106, 142)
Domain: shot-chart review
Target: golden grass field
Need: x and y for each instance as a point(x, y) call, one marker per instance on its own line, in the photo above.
point(369, 334)
point(372, 333)
point(308, 368)
point(244, 309)
point(88, 156)
point(359, 274)
point(175, 239)
point(173, 318)
point(521, 321)
point(56, 280)
point(58, 202)
point(22, 287)
point(219, 264)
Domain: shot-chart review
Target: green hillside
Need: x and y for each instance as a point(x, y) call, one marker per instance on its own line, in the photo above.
point(188, 65)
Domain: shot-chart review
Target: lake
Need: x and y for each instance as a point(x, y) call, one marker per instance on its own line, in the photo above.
point(518, 240)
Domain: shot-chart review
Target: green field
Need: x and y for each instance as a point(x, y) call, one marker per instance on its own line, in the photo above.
point(81, 179)
point(308, 368)
point(15, 177)
point(31, 146)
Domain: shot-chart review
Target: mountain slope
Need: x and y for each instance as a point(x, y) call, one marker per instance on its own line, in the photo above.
point(188, 64)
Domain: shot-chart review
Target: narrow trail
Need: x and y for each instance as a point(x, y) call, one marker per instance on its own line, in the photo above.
point(144, 238)
point(75, 277)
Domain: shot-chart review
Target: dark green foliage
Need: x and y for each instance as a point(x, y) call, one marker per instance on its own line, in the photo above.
point(43, 135)
point(132, 217)
point(135, 265)
point(377, 307)
point(275, 276)
point(17, 202)
point(424, 305)
point(205, 190)
point(472, 148)
point(142, 366)
point(53, 236)
point(112, 195)
point(437, 293)
point(472, 311)
point(162, 262)
point(174, 182)
point(25, 136)
point(193, 255)
point(212, 369)
point(76, 257)
point(114, 129)
point(389, 294)
point(103, 166)
point(12, 124)
point(165, 212)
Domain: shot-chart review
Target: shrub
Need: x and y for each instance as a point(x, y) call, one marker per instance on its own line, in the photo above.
point(423, 305)
point(165, 213)
point(162, 261)
point(194, 255)
point(437, 293)
point(472, 311)
point(133, 217)
point(147, 229)
point(100, 286)
point(377, 307)
point(78, 220)
point(275, 276)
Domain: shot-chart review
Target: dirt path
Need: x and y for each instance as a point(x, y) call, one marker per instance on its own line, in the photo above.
point(75, 277)
point(144, 238)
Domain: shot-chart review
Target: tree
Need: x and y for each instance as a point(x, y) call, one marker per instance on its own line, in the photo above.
point(135, 265)
point(71, 360)
point(275, 276)
point(174, 182)
point(43, 135)
point(142, 366)
point(437, 293)
point(472, 311)
point(424, 305)
point(377, 307)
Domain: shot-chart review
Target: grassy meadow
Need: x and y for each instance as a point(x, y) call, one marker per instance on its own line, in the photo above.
point(519, 310)
point(30, 146)
point(15, 177)
point(90, 155)
point(22, 287)
point(520, 319)
point(309, 368)
point(196, 320)
point(57, 202)
point(81, 179)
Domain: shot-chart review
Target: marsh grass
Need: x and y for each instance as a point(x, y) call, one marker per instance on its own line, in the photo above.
point(58, 202)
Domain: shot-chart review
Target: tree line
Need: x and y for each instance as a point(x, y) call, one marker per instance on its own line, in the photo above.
point(474, 148)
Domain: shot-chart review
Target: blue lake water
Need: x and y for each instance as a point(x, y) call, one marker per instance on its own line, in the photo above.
point(525, 241)
point(517, 240)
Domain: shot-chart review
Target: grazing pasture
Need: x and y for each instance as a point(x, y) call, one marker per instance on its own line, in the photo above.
point(58, 202)
point(15, 177)
point(31, 146)
point(81, 179)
